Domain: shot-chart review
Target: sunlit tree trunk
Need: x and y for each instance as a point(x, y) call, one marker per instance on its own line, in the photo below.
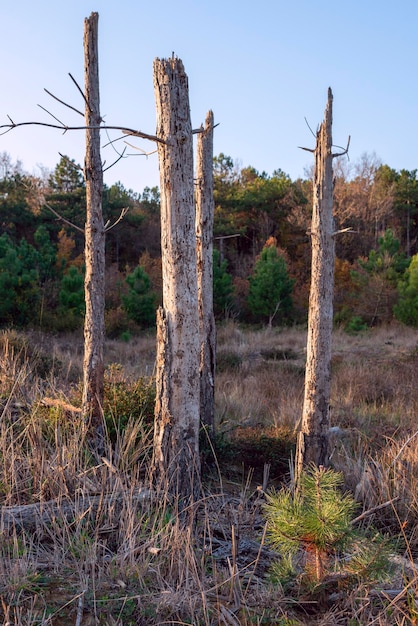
point(92, 402)
point(314, 434)
point(205, 208)
point(176, 435)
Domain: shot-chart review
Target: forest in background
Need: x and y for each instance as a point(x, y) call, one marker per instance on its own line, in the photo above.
point(261, 240)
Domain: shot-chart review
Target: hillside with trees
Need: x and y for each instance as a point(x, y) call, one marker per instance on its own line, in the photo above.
point(261, 231)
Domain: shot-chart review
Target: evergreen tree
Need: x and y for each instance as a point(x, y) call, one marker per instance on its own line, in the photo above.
point(19, 288)
point(406, 310)
point(71, 295)
point(67, 176)
point(270, 286)
point(312, 529)
point(47, 253)
point(68, 199)
point(140, 302)
point(223, 288)
point(376, 281)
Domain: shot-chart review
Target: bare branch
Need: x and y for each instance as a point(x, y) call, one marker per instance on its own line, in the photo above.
point(307, 149)
point(62, 102)
point(70, 162)
point(79, 89)
point(49, 113)
point(228, 236)
point(126, 131)
point(144, 153)
point(344, 151)
point(48, 206)
point(349, 229)
point(404, 446)
point(112, 141)
point(373, 510)
point(136, 133)
point(114, 162)
point(120, 218)
point(307, 124)
point(196, 131)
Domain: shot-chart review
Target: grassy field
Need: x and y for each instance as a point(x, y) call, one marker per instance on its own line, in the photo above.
point(84, 542)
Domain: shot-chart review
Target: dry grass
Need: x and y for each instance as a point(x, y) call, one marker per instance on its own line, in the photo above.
point(119, 560)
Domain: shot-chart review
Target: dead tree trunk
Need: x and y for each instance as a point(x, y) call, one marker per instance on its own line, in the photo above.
point(205, 209)
point(314, 434)
point(176, 463)
point(92, 401)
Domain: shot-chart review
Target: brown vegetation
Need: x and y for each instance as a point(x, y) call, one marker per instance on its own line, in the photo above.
point(102, 555)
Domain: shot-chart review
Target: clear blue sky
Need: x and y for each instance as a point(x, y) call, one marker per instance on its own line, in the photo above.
point(262, 67)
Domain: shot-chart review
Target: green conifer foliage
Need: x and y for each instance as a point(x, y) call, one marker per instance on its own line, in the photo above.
point(406, 310)
point(47, 253)
point(312, 528)
point(19, 290)
point(223, 288)
point(270, 294)
point(140, 302)
point(71, 295)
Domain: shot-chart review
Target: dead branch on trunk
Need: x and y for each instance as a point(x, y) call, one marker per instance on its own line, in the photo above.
point(313, 438)
point(66, 127)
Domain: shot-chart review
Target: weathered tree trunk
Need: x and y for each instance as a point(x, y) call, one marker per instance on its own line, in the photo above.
point(314, 433)
point(205, 209)
point(29, 517)
point(176, 437)
point(93, 374)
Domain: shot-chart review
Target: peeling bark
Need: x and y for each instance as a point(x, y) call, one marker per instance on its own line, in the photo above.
point(93, 369)
point(314, 433)
point(176, 464)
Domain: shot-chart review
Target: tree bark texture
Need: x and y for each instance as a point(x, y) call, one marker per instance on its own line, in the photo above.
point(314, 433)
point(205, 209)
point(176, 463)
point(93, 370)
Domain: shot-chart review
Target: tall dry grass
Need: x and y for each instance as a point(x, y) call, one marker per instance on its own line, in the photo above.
point(103, 549)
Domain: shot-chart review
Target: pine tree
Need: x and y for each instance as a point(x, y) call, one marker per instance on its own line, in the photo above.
point(313, 531)
point(270, 286)
point(140, 302)
point(223, 288)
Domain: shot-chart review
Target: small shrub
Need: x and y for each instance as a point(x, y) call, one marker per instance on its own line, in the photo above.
point(313, 531)
point(116, 323)
point(355, 325)
point(126, 399)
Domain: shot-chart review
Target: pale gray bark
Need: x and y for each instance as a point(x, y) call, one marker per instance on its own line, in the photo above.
point(93, 371)
point(314, 434)
point(176, 437)
point(205, 209)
